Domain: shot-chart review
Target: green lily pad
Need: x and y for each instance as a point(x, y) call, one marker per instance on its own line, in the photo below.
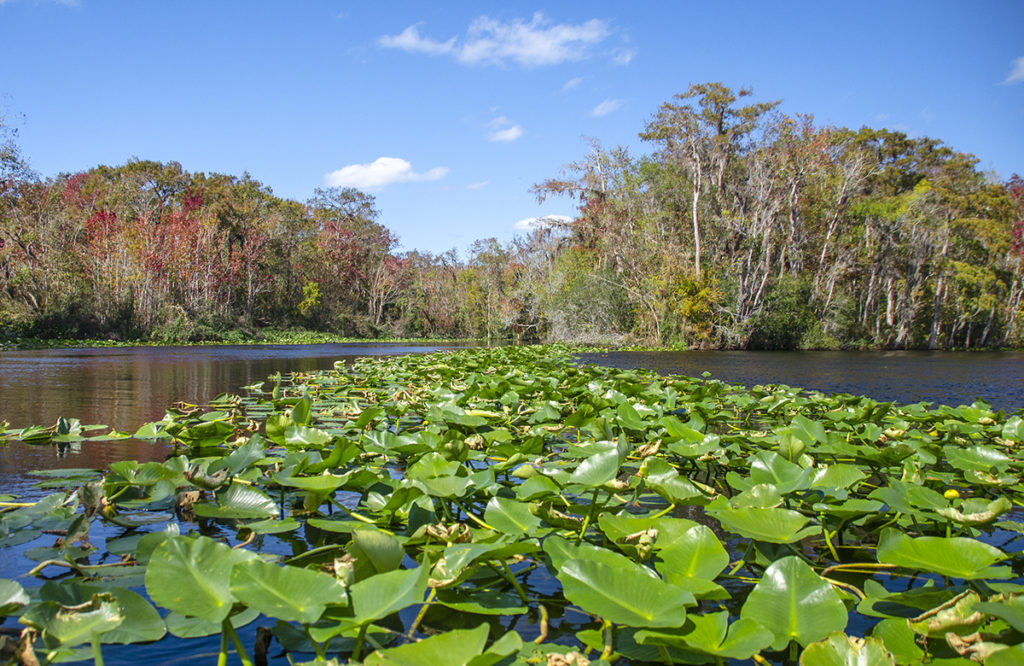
point(287, 593)
point(956, 557)
point(191, 576)
point(795, 603)
point(624, 595)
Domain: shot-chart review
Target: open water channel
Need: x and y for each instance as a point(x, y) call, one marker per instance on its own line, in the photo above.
point(127, 387)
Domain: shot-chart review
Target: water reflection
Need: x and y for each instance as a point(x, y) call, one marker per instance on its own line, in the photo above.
point(952, 378)
point(126, 387)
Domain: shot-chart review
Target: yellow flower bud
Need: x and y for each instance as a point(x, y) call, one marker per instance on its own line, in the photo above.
point(951, 494)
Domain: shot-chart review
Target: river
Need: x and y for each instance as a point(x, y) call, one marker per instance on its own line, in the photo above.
point(127, 387)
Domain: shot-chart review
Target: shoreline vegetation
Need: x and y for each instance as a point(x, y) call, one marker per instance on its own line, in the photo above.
point(742, 228)
point(507, 505)
point(306, 337)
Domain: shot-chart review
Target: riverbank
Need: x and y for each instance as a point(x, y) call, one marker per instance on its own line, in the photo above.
point(270, 336)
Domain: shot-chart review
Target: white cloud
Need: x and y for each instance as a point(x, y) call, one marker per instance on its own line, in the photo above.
point(623, 56)
point(503, 130)
point(379, 173)
point(411, 40)
point(531, 223)
point(606, 107)
point(1017, 73)
point(572, 83)
point(506, 135)
point(477, 186)
point(494, 42)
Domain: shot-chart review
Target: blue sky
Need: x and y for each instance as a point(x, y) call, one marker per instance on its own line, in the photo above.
point(449, 112)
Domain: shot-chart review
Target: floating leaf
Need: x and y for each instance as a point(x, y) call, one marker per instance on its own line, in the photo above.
point(956, 557)
point(712, 634)
point(624, 595)
point(510, 516)
point(772, 525)
point(457, 647)
point(77, 624)
point(191, 576)
point(794, 603)
point(287, 593)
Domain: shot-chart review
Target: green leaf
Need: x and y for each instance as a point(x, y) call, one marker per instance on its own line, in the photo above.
point(12, 597)
point(287, 593)
point(511, 517)
point(696, 553)
point(662, 478)
point(239, 501)
point(482, 601)
point(374, 552)
point(379, 596)
point(1010, 609)
point(842, 650)
point(141, 623)
point(624, 595)
point(773, 525)
point(956, 557)
point(712, 634)
point(600, 467)
point(794, 603)
point(75, 625)
point(181, 626)
point(191, 576)
point(457, 648)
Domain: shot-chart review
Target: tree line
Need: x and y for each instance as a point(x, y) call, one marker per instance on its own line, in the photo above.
point(743, 227)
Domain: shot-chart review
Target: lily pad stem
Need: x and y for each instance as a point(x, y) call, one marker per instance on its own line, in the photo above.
point(515, 583)
point(589, 518)
point(222, 656)
point(474, 518)
point(229, 629)
point(422, 613)
point(359, 642)
point(97, 651)
point(361, 518)
point(664, 511)
point(608, 631)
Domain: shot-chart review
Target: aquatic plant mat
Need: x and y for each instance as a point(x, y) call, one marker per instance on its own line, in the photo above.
point(509, 507)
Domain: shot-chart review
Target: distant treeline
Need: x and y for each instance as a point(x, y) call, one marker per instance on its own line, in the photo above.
point(743, 228)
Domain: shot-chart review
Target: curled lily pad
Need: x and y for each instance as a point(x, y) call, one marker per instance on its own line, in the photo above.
point(72, 625)
point(842, 650)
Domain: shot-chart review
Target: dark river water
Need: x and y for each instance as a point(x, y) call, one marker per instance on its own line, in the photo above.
point(127, 387)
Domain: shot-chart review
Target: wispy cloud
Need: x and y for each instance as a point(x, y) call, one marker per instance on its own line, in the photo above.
point(477, 186)
point(411, 40)
point(606, 107)
point(531, 223)
point(572, 83)
point(381, 172)
point(1016, 72)
point(623, 56)
point(503, 130)
point(495, 42)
